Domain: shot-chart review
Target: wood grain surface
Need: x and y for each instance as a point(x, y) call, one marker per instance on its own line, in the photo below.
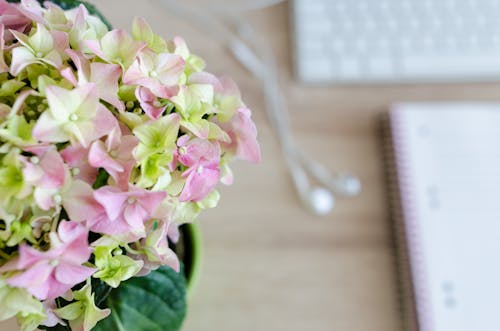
point(269, 264)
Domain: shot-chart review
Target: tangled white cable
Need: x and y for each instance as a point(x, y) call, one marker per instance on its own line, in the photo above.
point(258, 58)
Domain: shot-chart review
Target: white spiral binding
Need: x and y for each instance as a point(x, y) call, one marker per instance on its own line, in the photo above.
point(411, 226)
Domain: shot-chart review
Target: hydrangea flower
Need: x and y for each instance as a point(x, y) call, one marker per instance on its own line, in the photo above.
point(108, 142)
point(75, 116)
point(48, 275)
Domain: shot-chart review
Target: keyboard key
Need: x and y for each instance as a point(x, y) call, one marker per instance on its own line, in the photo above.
point(319, 69)
point(381, 67)
point(336, 47)
point(349, 69)
point(313, 46)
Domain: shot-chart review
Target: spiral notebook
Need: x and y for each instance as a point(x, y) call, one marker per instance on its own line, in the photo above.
point(445, 175)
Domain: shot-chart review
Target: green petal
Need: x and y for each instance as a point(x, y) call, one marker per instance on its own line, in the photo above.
point(41, 41)
point(71, 311)
point(18, 302)
point(18, 131)
point(114, 269)
point(84, 311)
point(186, 212)
point(154, 167)
point(141, 31)
point(11, 180)
point(210, 201)
point(10, 87)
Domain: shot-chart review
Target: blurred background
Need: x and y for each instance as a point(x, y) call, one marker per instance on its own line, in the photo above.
point(269, 263)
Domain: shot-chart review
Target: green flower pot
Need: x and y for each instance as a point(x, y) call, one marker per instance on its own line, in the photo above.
point(193, 258)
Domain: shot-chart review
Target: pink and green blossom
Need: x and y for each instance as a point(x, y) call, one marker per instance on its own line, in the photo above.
point(83, 314)
point(50, 274)
point(109, 141)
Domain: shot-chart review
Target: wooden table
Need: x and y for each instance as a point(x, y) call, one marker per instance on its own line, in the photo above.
point(269, 264)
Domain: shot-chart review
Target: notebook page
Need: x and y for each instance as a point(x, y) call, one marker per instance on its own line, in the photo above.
point(448, 162)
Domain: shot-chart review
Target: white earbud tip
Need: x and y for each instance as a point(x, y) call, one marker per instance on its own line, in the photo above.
point(321, 201)
point(350, 185)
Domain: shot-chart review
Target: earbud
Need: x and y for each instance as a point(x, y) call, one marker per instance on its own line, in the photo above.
point(318, 200)
point(345, 184)
point(321, 201)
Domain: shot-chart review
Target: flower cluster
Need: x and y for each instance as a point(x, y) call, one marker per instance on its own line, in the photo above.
point(108, 141)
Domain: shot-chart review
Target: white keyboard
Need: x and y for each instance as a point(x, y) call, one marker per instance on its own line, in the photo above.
point(392, 41)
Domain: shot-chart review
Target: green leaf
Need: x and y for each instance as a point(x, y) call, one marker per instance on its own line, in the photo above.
point(101, 292)
point(156, 302)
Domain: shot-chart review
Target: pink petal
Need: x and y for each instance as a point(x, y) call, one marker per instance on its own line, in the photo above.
point(170, 68)
point(111, 227)
point(76, 157)
point(72, 274)
point(123, 178)
point(74, 154)
point(69, 75)
point(33, 10)
point(133, 74)
point(32, 277)
point(77, 250)
point(44, 198)
point(147, 99)
point(82, 65)
point(111, 199)
point(183, 140)
point(72, 231)
point(128, 143)
point(229, 87)
point(52, 320)
point(80, 204)
point(162, 91)
point(32, 173)
point(173, 232)
point(56, 288)
point(61, 40)
point(243, 133)
point(48, 130)
point(135, 215)
point(54, 170)
point(106, 77)
point(199, 184)
point(205, 78)
point(27, 257)
point(199, 151)
point(170, 259)
point(94, 47)
point(12, 18)
point(99, 158)
point(151, 200)
point(38, 150)
point(104, 122)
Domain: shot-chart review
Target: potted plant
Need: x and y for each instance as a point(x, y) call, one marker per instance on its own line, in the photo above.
point(111, 144)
